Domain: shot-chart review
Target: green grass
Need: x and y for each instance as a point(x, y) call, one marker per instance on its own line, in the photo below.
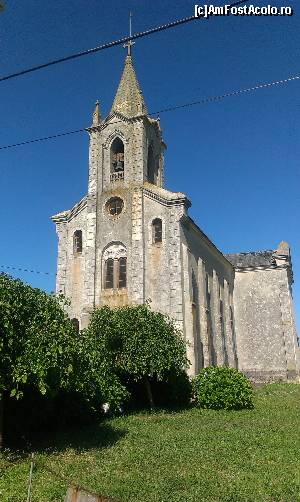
point(188, 456)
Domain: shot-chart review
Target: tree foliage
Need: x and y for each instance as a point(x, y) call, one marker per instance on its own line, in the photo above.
point(37, 339)
point(40, 348)
point(136, 341)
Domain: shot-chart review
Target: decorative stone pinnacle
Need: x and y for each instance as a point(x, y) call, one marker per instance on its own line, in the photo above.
point(96, 114)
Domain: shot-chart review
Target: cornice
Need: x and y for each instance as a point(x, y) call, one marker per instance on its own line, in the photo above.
point(174, 200)
point(66, 216)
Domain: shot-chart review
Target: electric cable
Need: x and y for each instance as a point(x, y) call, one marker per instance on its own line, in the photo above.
point(113, 43)
point(202, 101)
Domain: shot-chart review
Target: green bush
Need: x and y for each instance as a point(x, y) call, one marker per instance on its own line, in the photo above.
point(220, 387)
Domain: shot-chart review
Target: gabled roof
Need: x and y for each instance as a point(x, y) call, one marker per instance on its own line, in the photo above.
point(129, 99)
point(252, 259)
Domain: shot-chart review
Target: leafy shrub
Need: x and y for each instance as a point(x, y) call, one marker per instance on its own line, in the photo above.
point(220, 387)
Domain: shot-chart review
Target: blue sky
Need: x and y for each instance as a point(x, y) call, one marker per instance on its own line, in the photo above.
point(237, 159)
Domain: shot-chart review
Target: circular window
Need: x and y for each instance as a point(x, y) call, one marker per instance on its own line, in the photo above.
point(114, 206)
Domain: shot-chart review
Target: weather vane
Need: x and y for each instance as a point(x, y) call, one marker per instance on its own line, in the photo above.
point(130, 43)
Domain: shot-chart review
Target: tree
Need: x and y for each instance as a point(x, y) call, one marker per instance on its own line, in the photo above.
point(139, 342)
point(39, 347)
point(36, 342)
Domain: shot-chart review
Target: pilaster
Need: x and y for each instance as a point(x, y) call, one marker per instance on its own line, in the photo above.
point(217, 321)
point(137, 251)
point(188, 314)
point(228, 327)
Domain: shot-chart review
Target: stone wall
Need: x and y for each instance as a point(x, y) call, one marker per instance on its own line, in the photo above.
point(207, 285)
point(266, 337)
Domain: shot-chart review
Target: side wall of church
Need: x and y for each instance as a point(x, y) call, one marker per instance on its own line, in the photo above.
point(208, 280)
point(265, 327)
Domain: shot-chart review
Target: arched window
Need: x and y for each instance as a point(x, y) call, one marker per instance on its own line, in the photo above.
point(75, 323)
point(115, 267)
point(117, 156)
point(156, 230)
point(77, 242)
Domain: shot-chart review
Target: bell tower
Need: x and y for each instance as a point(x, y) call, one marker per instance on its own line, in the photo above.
point(126, 148)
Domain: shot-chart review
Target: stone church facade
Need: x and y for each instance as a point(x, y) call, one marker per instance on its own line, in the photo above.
point(130, 240)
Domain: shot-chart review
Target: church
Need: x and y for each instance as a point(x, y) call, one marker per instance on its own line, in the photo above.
point(130, 240)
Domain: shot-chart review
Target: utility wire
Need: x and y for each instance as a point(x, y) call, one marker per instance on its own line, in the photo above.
point(19, 269)
point(58, 135)
point(230, 94)
point(114, 43)
point(203, 101)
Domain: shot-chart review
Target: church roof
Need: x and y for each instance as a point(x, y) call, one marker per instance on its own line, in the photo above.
point(252, 259)
point(129, 99)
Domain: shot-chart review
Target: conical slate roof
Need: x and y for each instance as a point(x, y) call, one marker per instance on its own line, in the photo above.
point(129, 100)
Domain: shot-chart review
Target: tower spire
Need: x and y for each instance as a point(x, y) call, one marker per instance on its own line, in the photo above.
point(129, 100)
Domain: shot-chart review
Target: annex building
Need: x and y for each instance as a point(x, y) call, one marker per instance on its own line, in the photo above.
point(130, 240)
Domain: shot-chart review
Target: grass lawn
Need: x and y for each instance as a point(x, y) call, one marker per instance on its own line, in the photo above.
point(188, 456)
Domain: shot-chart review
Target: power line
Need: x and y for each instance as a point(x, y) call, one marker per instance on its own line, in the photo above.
point(114, 43)
point(19, 269)
point(203, 101)
point(230, 94)
point(58, 135)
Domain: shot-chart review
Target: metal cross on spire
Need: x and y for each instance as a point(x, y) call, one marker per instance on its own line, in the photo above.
point(130, 43)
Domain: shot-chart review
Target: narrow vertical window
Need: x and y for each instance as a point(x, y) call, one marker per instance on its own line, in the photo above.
point(157, 230)
point(109, 273)
point(151, 166)
point(122, 272)
point(194, 289)
point(207, 293)
point(75, 323)
point(77, 242)
point(231, 318)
